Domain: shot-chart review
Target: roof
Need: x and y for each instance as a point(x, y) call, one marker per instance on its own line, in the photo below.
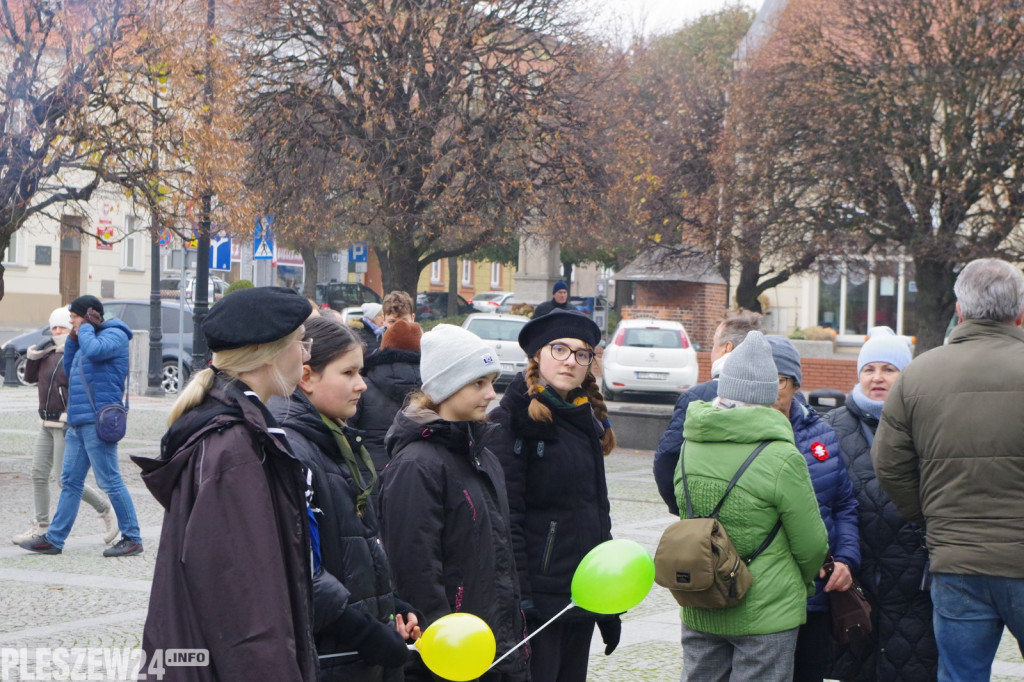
point(665, 265)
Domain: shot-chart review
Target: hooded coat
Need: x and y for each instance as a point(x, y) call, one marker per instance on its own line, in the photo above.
point(233, 572)
point(391, 375)
point(557, 494)
point(103, 356)
point(776, 486)
point(893, 565)
point(45, 367)
point(444, 511)
point(356, 574)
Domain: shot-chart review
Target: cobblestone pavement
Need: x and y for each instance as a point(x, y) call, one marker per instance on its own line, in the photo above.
point(80, 599)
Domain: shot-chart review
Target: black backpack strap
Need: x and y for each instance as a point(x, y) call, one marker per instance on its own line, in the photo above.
point(767, 541)
point(732, 483)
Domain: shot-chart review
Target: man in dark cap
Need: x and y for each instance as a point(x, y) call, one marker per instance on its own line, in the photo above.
point(96, 363)
point(559, 300)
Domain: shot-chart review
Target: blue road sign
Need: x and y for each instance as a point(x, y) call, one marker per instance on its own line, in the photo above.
point(220, 253)
point(263, 239)
point(357, 252)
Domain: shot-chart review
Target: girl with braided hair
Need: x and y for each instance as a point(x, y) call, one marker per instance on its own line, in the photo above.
point(554, 437)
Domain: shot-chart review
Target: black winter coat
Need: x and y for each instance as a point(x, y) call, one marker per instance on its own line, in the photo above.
point(557, 493)
point(666, 457)
point(356, 574)
point(445, 520)
point(391, 375)
point(233, 571)
point(893, 563)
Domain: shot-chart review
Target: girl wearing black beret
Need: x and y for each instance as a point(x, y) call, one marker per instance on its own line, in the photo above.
point(234, 570)
point(554, 437)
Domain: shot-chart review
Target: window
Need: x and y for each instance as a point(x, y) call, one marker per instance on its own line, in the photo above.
point(435, 272)
point(132, 244)
point(496, 275)
point(12, 255)
point(467, 272)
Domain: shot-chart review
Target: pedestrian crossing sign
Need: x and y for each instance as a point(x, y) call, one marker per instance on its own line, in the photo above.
point(263, 239)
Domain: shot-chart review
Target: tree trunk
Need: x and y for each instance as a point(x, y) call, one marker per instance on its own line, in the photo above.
point(312, 271)
point(399, 266)
point(747, 290)
point(567, 274)
point(935, 301)
point(453, 287)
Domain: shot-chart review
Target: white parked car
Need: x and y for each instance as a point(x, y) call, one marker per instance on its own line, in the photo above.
point(648, 356)
point(501, 332)
point(493, 301)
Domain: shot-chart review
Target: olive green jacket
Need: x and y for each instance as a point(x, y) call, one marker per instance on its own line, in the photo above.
point(949, 450)
point(776, 485)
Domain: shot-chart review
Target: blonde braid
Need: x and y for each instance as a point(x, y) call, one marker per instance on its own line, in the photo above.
point(600, 408)
point(539, 412)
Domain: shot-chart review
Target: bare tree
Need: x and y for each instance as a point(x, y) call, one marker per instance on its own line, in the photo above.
point(447, 120)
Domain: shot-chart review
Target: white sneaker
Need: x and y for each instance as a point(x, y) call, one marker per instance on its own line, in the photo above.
point(36, 530)
point(110, 530)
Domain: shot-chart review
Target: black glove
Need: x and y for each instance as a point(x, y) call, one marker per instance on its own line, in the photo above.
point(377, 643)
point(611, 631)
point(531, 614)
point(93, 318)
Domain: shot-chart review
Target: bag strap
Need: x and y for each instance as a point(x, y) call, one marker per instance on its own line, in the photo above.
point(718, 507)
point(728, 489)
point(88, 390)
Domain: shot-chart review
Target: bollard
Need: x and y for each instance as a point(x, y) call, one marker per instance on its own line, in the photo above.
point(10, 360)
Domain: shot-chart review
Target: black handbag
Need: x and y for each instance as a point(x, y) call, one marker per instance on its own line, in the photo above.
point(850, 610)
point(112, 419)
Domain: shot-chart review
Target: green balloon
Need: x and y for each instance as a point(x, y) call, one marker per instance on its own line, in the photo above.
point(613, 577)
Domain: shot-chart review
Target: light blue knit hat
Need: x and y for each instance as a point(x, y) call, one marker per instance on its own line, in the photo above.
point(884, 346)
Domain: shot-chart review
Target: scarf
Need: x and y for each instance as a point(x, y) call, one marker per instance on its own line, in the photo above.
point(554, 400)
point(871, 407)
point(341, 440)
point(716, 366)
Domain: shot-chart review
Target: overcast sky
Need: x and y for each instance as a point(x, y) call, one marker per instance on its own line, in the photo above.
point(656, 16)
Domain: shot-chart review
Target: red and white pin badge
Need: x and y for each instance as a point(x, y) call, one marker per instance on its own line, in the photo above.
point(819, 451)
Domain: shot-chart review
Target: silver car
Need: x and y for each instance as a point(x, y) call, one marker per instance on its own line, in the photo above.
point(501, 332)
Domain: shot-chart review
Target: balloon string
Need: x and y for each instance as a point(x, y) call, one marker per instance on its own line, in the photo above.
point(552, 619)
point(412, 647)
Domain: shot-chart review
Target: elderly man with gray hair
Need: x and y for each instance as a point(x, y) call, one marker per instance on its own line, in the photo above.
point(949, 452)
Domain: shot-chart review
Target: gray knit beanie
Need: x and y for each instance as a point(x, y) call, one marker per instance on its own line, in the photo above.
point(748, 374)
point(450, 358)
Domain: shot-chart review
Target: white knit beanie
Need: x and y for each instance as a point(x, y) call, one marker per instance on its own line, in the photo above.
point(749, 374)
point(61, 317)
point(450, 358)
point(884, 346)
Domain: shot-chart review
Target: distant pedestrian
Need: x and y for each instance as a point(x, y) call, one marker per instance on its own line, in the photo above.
point(392, 375)
point(355, 605)
point(559, 300)
point(444, 508)
point(369, 327)
point(756, 640)
point(45, 367)
point(948, 453)
point(553, 439)
point(233, 574)
point(398, 305)
point(96, 363)
point(728, 335)
point(819, 445)
point(894, 561)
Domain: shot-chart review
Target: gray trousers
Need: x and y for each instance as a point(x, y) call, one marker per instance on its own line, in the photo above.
point(49, 458)
point(716, 658)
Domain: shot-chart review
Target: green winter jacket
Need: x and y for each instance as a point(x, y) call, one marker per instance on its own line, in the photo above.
point(777, 484)
point(949, 450)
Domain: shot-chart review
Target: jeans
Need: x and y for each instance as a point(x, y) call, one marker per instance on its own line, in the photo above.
point(970, 612)
point(49, 458)
point(83, 449)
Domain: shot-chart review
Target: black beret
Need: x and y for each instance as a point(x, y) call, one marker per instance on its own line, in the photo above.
point(80, 306)
point(247, 317)
point(558, 324)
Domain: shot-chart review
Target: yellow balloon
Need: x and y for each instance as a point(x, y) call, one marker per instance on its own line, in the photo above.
point(457, 647)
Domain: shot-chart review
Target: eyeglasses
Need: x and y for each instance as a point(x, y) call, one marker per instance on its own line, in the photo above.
point(562, 352)
point(783, 380)
point(307, 348)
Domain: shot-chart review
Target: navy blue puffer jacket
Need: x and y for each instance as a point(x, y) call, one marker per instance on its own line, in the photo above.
point(103, 354)
point(819, 445)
